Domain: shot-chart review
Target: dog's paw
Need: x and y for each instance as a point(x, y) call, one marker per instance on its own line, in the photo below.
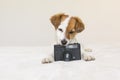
point(47, 60)
point(88, 58)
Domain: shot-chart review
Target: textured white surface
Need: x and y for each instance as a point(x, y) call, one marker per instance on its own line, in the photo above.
point(23, 63)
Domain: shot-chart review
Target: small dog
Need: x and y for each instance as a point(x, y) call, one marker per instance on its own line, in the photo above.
point(67, 27)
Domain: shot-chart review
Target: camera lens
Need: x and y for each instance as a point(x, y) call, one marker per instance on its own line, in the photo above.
point(67, 56)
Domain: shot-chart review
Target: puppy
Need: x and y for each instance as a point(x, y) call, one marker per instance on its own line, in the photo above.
point(67, 27)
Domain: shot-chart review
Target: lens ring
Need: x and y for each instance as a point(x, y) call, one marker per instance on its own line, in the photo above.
point(67, 56)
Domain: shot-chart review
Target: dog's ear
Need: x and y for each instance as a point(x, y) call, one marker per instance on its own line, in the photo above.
point(57, 19)
point(79, 26)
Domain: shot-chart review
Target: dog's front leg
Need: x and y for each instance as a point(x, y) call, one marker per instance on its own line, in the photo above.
point(88, 57)
point(86, 54)
point(48, 59)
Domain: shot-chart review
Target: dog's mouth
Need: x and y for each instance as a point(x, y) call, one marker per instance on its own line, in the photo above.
point(65, 42)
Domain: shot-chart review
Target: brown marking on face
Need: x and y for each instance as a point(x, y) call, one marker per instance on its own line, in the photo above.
point(57, 19)
point(75, 26)
point(70, 31)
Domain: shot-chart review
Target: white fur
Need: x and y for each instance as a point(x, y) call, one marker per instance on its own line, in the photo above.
point(60, 35)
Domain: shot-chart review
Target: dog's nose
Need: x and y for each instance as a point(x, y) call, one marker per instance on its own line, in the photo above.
point(63, 42)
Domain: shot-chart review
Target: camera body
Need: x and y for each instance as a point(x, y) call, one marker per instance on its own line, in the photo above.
point(69, 52)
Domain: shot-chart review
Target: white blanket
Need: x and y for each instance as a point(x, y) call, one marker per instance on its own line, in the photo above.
point(24, 63)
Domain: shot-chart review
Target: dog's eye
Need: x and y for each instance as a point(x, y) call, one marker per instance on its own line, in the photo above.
point(71, 32)
point(60, 29)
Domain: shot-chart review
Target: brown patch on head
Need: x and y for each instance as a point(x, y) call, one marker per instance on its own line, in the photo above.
point(57, 19)
point(75, 26)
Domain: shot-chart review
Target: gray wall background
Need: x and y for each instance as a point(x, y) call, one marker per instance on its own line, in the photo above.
point(26, 22)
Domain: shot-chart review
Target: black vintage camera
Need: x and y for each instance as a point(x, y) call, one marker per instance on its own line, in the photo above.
point(67, 53)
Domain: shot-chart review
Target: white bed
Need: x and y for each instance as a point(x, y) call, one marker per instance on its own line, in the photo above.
point(23, 63)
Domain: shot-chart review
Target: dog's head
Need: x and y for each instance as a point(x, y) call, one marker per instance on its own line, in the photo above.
point(66, 27)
